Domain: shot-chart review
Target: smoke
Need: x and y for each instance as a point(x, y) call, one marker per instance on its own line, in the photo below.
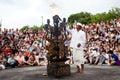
point(53, 5)
point(54, 8)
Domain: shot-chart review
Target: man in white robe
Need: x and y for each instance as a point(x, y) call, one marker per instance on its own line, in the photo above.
point(78, 41)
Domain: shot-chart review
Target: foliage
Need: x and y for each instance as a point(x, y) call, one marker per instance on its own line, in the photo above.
point(86, 18)
point(24, 28)
point(114, 13)
point(83, 17)
point(33, 28)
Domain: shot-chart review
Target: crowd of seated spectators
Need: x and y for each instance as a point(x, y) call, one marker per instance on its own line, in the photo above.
point(20, 48)
point(103, 43)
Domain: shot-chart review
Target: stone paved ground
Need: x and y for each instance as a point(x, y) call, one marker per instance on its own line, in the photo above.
point(35, 73)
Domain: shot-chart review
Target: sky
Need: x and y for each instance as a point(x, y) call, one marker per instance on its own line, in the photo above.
point(19, 13)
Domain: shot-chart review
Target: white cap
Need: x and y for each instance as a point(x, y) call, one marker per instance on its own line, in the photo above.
point(79, 24)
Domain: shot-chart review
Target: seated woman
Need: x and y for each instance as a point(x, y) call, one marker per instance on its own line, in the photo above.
point(20, 59)
point(32, 60)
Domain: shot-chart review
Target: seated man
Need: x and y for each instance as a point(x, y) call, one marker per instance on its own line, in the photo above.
point(103, 57)
point(113, 58)
point(41, 59)
point(12, 62)
point(32, 60)
point(94, 56)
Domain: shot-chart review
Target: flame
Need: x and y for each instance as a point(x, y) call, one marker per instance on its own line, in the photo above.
point(54, 8)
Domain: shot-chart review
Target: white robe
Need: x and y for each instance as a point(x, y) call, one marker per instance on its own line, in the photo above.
point(77, 37)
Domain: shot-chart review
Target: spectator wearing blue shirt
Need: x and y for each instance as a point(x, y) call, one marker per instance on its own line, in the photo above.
point(113, 58)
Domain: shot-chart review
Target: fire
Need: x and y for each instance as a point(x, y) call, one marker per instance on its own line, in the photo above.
point(54, 8)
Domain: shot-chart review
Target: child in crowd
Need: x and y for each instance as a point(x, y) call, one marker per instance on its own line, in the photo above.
point(12, 62)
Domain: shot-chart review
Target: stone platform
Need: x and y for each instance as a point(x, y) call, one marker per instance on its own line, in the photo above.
point(58, 70)
point(92, 72)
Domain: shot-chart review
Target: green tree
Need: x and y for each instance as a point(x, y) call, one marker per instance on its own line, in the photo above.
point(33, 28)
point(86, 18)
point(114, 13)
point(82, 17)
point(100, 17)
point(36, 28)
point(24, 28)
point(41, 27)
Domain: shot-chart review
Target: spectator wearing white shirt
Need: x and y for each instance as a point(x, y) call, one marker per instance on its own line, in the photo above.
point(104, 56)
